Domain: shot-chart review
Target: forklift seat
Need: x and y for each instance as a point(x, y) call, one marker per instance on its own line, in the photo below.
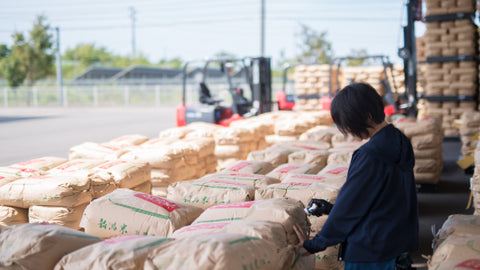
point(205, 96)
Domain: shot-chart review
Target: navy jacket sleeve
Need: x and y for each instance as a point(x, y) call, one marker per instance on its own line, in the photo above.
point(353, 202)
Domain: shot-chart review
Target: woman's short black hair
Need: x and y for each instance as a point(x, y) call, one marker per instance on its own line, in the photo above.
point(354, 107)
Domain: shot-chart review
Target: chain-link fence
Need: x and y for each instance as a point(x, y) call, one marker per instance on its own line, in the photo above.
point(102, 95)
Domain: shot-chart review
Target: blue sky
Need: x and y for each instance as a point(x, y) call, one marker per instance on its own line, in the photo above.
point(192, 29)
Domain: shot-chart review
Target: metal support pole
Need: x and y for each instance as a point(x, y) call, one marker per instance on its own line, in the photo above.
point(5, 97)
point(95, 96)
point(157, 95)
point(35, 96)
point(132, 17)
point(262, 28)
point(59, 70)
point(126, 95)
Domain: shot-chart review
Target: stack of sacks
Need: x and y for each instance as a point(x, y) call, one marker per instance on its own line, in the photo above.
point(128, 212)
point(319, 133)
point(470, 125)
point(439, 7)
point(120, 173)
point(124, 252)
point(451, 79)
point(221, 250)
point(475, 182)
point(210, 190)
point(311, 83)
point(49, 194)
point(448, 112)
point(450, 38)
point(259, 128)
point(456, 244)
point(286, 211)
point(257, 180)
point(11, 215)
point(426, 137)
point(421, 50)
point(128, 140)
point(421, 80)
point(39, 246)
point(397, 79)
point(278, 154)
point(373, 75)
point(342, 153)
point(233, 144)
point(289, 127)
point(270, 220)
point(284, 170)
point(305, 187)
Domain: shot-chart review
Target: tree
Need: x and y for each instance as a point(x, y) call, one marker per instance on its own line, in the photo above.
point(176, 62)
point(4, 51)
point(357, 53)
point(13, 70)
point(87, 55)
point(314, 47)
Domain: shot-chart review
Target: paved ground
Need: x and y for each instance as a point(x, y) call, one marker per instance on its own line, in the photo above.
point(32, 133)
point(27, 133)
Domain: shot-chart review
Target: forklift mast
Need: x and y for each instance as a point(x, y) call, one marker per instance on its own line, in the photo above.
point(409, 55)
point(261, 78)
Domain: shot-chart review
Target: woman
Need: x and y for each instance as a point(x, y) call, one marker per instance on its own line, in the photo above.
point(375, 216)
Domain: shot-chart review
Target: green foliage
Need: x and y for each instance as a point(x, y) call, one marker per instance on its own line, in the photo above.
point(86, 55)
point(314, 46)
point(4, 51)
point(28, 59)
point(171, 63)
point(13, 70)
point(357, 53)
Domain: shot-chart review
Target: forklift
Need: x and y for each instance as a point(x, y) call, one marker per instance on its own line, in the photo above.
point(232, 102)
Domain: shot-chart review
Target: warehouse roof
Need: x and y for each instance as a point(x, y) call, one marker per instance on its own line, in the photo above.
point(139, 72)
point(97, 73)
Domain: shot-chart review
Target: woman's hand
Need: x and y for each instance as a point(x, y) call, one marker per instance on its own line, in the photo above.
point(302, 236)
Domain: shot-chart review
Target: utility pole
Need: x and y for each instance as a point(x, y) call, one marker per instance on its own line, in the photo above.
point(132, 17)
point(262, 28)
point(59, 69)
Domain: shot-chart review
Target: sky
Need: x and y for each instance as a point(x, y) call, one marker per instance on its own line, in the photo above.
point(192, 29)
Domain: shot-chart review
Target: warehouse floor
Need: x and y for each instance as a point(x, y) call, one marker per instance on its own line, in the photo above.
point(449, 196)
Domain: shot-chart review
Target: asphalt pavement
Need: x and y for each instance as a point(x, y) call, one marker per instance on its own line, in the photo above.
point(28, 133)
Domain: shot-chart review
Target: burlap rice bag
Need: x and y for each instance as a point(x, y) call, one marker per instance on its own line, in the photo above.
point(39, 246)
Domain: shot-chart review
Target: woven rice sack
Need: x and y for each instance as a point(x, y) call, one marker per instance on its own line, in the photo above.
point(128, 140)
point(158, 142)
point(336, 170)
point(250, 167)
point(340, 157)
point(76, 165)
point(224, 213)
point(39, 246)
point(233, 135)
point(317, 157)
point(202, 147)
point(164, 158)
point(303, 145)
point(426, 141)
point(125, 252)
point(275, 139)
point(259, 128)
point(220, 251)
point(234, 150)
point(282, 171)
point(8, 175)
point(319, 133)
point(427, 178)
point(64, 216)
point(40, 164)
point(435, 153)
point(427, 165)
point(308, 178)
point(205, 193)
point(12, 216)
point(127, 212)
point(455, 248)
point(176, 132)
point(49, 190)
point(144, 188)
point(300, 191)
point(459, 225)
point(257, 180)
point(463, 264)
point(274, 156)
point(90, 150)
point(286, 211)
point(198, 229)
point(124, 173)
